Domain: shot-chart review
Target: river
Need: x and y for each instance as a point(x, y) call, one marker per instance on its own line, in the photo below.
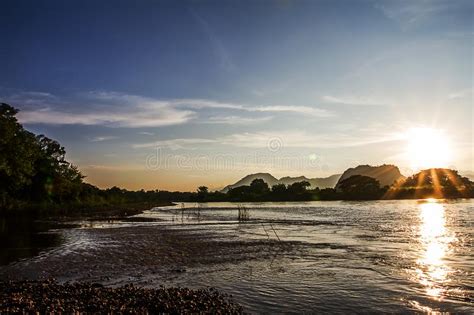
point(375, 256)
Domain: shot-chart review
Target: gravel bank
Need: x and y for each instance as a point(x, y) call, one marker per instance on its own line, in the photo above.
point(50, 297)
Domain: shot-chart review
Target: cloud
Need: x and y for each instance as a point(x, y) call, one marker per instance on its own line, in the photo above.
point(286, 139)
point(200, 104)
point(317, 112)
point(460, 94)
point(102, 138)
point(299, 139)
point(222, 54)
point(115, 109)
point(233, 120)
point(140, 116)
point(174, 144)
point(97, 108)
point(351, 100)
point(408, 13)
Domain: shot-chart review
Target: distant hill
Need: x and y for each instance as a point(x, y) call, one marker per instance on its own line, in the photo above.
point(267, 178)
point(325, 182)
point(385, 174)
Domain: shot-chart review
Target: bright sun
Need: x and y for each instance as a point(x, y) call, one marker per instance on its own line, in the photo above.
point(427, 148)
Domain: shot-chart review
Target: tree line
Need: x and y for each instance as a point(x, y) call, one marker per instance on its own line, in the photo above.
point(430, 183)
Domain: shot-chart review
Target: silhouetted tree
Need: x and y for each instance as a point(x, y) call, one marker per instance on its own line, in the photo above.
point(435, 182)
point(360, 187)
point(259, 187)
point(202, 193)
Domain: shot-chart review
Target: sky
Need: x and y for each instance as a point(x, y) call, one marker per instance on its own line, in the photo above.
point(177, 94)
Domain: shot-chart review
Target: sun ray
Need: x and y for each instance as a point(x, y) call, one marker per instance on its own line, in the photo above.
point(421, 179)
point(437, 191)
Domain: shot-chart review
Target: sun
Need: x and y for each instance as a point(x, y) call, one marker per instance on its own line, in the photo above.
point(427, 148)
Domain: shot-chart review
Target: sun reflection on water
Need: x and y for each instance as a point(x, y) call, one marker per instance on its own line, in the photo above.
point(433, 271)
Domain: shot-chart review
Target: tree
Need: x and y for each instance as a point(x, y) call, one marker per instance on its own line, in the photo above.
point(434, 182)
point(298, 191)
point(18, 152)
point(55, 179)
point(33, 167)
point(202, 193)
point(259, 187)
point(359, 187)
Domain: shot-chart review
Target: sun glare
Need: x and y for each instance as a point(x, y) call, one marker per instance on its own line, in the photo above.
point(427, 148)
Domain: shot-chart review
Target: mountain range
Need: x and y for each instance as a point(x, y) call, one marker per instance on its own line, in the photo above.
point(385, 174)
point(325, 182)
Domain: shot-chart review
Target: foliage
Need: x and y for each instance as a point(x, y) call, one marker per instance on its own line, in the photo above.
point(34, 174)
point(359, 187)
point(433, 183)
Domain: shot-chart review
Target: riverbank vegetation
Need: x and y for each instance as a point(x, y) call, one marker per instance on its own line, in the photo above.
point(35, 177)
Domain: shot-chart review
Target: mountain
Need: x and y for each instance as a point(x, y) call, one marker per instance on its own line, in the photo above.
point(326, 182)
point(385, 174)
point(267, 178)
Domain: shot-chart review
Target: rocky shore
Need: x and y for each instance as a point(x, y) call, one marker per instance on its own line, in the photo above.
point(48, 296)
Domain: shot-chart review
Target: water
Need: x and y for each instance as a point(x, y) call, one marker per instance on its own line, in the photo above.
point(381, 256)
point(23, 237)
point(377, 256)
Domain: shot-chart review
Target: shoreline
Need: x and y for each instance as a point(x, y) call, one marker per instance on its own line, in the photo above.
point(83, 212)
point(112, 258)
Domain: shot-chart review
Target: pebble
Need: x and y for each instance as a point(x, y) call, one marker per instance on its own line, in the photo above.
point(48, 296)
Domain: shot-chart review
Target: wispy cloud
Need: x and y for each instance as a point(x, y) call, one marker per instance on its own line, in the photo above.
point(200, 104)
point(408, 13)
point(102, 138)
point(299, 139)
point(175, 144)
point(115, 109)
point(287, 138)
point(460, 94)
point(237, 120)
point(316, 112)
point(353, 100)
point(222, 54)
point(139, 116)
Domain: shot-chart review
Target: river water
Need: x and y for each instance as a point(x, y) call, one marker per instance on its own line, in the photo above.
point(325, 257)
point(380, 256)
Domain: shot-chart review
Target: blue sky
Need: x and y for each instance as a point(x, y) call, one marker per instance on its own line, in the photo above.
point(175, 94)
